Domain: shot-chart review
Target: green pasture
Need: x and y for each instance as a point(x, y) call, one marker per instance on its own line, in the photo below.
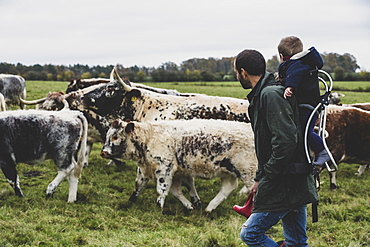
point(103, 216)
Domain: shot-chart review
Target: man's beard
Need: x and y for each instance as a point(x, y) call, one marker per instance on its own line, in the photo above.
point(245, 84)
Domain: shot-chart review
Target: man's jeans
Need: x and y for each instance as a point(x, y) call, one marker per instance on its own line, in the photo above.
point(294, 225)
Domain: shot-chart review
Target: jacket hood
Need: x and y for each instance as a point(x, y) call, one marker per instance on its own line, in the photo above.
point(311, 57)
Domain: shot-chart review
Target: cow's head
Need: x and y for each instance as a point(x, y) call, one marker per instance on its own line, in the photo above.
point(114, 99)
point(55, 101)
point(116, 139)
point(334, 98)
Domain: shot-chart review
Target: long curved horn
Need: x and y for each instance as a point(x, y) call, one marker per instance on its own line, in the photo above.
point(125, 86)
point(33, 102)
point(66, 105)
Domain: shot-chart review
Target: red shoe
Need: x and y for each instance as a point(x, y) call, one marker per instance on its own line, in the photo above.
point(245, 210)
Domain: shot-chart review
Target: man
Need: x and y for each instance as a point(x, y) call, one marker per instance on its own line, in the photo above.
point(283, 184)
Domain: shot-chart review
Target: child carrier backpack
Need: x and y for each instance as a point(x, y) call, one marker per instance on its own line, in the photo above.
point(321, 109)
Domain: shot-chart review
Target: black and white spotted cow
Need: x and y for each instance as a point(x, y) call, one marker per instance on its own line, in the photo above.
point(77, 84)
point(33, 136)
point(56, 101)
point(10, 87)
point(121, 100)
point(192, 148)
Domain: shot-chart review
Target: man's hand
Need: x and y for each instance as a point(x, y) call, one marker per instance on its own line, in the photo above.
point(254, 187)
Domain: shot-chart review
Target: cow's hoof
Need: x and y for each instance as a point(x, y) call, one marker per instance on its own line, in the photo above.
point(18, 192)
point(133, 197)
point(197, 204)
point(333, 187)
point(49, 195)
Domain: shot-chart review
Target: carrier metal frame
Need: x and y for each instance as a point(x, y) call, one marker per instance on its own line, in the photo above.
point(321, 109)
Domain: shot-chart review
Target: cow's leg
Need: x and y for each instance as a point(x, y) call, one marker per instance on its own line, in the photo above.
point(164, 175)
point(140, 183)
point(87, 153)
point(73, 184)
point(11, 175)
point(2, 103)
point(228, 184)
point(116, 162)
point(62, 173)
point(333, 180)
point(194, 197)
point(177, 192)
point(361, 170)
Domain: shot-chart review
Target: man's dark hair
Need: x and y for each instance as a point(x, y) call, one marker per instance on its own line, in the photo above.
point(251, 61)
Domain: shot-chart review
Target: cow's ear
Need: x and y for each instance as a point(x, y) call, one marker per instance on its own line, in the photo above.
point(134, 94)
point(129, 128)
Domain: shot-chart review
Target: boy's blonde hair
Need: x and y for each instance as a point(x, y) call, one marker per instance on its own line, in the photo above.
point(290, 46)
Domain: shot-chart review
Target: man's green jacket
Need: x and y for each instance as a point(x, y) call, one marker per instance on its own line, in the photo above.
point(278, 143)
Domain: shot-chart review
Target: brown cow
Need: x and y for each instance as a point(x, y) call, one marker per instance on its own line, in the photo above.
point(349, 136)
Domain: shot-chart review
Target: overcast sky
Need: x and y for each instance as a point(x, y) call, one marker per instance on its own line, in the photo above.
point(151, 32)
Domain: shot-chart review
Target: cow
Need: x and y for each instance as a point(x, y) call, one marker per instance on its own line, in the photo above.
point(10, 87)
point(33, 136)
point(348, 137)
point(185, 148)
point(363, 106)
point(121, 100)
point(76, 84)
point(334, 98)
point(56, 101)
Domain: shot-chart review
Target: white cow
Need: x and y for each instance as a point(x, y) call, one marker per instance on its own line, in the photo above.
point(33, 136)
point(11, 86)
point(186, 149)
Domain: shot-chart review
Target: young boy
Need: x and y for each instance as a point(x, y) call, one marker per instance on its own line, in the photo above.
point(298, 73)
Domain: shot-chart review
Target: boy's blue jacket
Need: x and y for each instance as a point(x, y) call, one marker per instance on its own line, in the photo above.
point(300, 73)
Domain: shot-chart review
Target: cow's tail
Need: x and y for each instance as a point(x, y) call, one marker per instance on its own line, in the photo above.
point(82, 147)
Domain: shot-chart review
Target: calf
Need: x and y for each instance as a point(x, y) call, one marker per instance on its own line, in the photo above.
point(192, 148)
point(348, 136)
point(11, 86)
point(33, 136)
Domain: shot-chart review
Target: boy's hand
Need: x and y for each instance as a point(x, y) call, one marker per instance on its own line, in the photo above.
point(288, 92)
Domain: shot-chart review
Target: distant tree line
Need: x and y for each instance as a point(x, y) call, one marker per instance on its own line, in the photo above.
point(342, 67)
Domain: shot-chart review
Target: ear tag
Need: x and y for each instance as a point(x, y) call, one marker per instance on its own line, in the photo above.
point(133, 99)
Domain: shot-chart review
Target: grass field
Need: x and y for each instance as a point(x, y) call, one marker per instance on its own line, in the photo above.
point(103, 216)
